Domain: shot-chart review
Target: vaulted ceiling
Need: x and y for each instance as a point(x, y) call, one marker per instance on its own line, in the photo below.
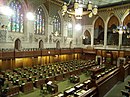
point(106, 3)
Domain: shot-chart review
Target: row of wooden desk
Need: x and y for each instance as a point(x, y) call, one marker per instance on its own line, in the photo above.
point(104, 84)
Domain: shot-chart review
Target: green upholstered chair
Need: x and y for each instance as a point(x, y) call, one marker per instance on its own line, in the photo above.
point(43, 89)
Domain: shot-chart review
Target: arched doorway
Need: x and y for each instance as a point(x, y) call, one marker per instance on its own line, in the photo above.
point(17, 44)
point(41, 44)
point(58, 44)
point(86, 38)
point(70, 46)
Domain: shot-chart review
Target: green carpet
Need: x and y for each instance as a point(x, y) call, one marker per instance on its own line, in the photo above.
point(62, 85)
point(116, 90)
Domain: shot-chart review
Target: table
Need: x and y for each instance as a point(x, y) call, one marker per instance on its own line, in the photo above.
point(96, 69)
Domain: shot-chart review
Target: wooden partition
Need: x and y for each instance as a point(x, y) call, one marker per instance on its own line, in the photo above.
point(18, 63)
point(106, 82)
point(27, 62)
point(116, 53)
point(0, 64)
point(127, 53)
point(43, 60)
point(127, 70)
point(45, 56)
point(35, 61)
point(7, 64)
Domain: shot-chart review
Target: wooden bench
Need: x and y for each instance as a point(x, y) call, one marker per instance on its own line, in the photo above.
point(27, 87)
point(12, 91)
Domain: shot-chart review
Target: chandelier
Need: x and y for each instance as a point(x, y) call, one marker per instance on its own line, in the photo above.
point(122, 29)
point(79, 8)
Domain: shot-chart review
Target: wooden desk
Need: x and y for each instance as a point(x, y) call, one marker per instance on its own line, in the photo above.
point(87, 82)
point(96, 69)
point(79, 86)
point(86, 93)
point(52, 88)
point(69, 92)
point(58, 95)
point(59, 77)
point(74, 79)
point(39, 82)
point(27, 87)
point(14, 90)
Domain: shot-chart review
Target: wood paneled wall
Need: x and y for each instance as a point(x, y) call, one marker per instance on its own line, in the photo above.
point(115, 53)
point(32, 61)
point(28, 61)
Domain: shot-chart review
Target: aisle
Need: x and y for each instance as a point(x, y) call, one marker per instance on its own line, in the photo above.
point(62, 85)
point(116, 90)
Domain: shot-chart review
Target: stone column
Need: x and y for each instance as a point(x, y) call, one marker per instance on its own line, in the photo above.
point(120, 41)
point(92, 37)
point(105, 35)
point(29, 30)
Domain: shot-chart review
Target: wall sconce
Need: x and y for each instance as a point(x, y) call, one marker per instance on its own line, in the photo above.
point(49, 52)
point(30, 16)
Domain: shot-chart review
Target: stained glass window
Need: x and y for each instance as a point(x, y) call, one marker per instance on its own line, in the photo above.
point(70, 28)
point(56, 25)
point(16, 21)
point(39, 27)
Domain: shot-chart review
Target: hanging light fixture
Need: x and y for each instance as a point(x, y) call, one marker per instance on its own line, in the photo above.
point(122, 29)
point(79, 8)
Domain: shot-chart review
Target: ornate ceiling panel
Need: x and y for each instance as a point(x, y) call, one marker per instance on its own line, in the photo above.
point(103, 3)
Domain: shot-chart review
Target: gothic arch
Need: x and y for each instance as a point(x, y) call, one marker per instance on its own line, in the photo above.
point(46, 15)
point(86, 38)
point(41, 45)
point(125, 39)
point(99, 31)
point(17, 44)
point(112, 38)
point(126, 20)
point(70, 44)
point(98, 21)
point(24, 4)
point(125, 15)
point(58, 44)
point(113, 20)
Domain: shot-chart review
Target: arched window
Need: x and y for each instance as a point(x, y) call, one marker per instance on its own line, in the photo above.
point(39, 22)
point(16, 21)
point(70, 28)
point(126, 36)
point(112, 38)
point(99, 32)
point(56, 25)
